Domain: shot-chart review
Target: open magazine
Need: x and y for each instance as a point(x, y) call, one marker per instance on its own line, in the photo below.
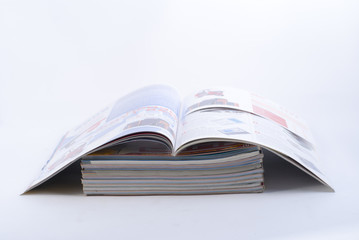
point(163, 122)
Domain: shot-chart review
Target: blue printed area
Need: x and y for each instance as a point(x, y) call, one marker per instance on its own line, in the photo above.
point(158, 95)
point(235, 120)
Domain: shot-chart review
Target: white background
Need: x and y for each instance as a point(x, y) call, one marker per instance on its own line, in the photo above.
point(61, 61)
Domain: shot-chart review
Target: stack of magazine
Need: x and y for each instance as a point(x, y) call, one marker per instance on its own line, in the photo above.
point(207, 168)
point(152, 141)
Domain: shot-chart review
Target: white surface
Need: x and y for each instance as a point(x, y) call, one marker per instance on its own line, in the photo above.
point(61, 61)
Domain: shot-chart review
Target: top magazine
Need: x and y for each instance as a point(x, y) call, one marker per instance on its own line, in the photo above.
point(155, 120)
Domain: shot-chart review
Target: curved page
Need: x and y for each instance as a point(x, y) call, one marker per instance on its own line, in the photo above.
point(218, 124)
point(152, 109)
point(242, 100)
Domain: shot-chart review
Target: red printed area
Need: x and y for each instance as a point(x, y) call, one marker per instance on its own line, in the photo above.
point(265, 113)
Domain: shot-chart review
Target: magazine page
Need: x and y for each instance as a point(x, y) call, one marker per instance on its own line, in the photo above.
point(152, 109)
point(246, 101)
point(218, 122)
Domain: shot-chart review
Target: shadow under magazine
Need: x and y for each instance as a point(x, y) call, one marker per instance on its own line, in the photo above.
point(279, 175)
point(67, 182)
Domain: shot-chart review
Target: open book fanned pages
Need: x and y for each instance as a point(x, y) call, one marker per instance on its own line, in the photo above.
point(154, 142)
